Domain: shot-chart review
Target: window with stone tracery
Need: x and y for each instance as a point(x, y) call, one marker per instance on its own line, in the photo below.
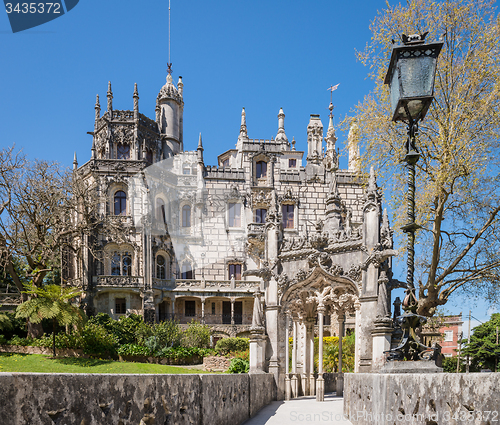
point(260, 169)
point(120, 203)
point(122, 151)
point(161, 267)
point(121, 264)
point(260, 215)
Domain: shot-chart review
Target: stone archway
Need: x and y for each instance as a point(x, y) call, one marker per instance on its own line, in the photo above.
point(319, 293)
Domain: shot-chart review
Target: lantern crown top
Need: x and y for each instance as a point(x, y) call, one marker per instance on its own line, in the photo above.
point(414, 38)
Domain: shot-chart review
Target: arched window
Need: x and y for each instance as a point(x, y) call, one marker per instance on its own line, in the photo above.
point(160, 211)
point(261, 169)
point(186, 216)
point(122, 151)
point(120, 203)
point(160, 267)
point(187, 272)
point(121, 264)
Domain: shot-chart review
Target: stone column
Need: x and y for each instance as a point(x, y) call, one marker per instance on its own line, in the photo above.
point(232, 311)
point(295, 384)
point(288, 386)
point(258, 338)
point(340, 379)
point(320, 383)
point(203, 310)
point(309, 358)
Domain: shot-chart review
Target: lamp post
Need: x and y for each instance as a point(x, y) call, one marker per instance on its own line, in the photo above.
point(410, 77)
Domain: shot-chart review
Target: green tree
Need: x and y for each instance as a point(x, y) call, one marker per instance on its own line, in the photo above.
point(457, 198)
point(5, 323)
point(484, 348)
point(51, 302)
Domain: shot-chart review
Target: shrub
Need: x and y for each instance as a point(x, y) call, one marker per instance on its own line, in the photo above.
point(196, 335)
point(96, 340)
point(3, 340)
point(239, 366)
point(63, 341)
point(153, 345)
point(243, 355)
point(126, 328)
point(226, 345)
point(18, 327)
point(133, 350)
point(17, 340)
point(168, 333)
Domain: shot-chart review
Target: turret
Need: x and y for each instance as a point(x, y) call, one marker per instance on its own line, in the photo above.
point(281, 136)
point(136, 102)
point(314, 138)
point(171, 105)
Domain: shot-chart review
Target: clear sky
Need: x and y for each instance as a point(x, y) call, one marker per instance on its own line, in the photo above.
point(261, 55)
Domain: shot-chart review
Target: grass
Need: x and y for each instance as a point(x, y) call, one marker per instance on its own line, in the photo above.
point(12, 362)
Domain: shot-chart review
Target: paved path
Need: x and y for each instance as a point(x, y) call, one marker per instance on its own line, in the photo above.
point(303, 410)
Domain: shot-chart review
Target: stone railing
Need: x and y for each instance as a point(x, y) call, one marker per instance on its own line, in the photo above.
point(125, 220)
point(119, 281)
point(214, 172)
point(123, 115)
point(256, 229)
point(163, 283)
point(290, 176)
point(215, 284)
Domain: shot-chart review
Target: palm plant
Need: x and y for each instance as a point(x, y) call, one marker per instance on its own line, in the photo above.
point(51, 302)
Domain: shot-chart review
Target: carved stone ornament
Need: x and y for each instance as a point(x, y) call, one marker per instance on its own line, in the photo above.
point(122, 133)
point(288, 197)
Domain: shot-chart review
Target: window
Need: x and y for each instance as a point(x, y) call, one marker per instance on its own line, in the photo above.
point(186, 272)
point(234, 215)
point(225, 163)
point(235, 270)
point(149, 156)
point(120, 203)
point(120, 306)
point(160, 211)
point(292, 163)
point(261, 170)
point(186, 171)
point(160, 267)
point(186, 216)
point(448, 336)
point(121, 264)
point(260, 215)
point(287, 212)
point(122, 151)
point(189, 308)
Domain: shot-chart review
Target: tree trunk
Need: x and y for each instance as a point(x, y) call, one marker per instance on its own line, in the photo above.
point(54, 323)
point(35, 330)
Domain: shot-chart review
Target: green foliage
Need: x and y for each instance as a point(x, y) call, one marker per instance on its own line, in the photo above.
point(243, 355)
point(196, 335)
point(17, 340)
point(153, 345)
point(3, 340)
point(96, 340)
point(483, 347)
point(450, 364)
point(168, 333)
point(63, 341)
point(5, 323)
point(133, 350)
point(18, 326)
point(239, 366)
point(125, 329)
point(226, 345)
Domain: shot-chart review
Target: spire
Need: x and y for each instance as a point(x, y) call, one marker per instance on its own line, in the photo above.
point(97, 109)
point(281, 136)
point(136, 102)
point(372, 194)
point(200, 151)
point(110, 98)
point(180, 86)
point(333, 213)
point(331, 159)
point(293, 143)
point(353, 146)
point(75, 163)
point(243, 127)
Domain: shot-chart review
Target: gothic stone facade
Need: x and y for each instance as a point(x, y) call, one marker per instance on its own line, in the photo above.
point(200, 242)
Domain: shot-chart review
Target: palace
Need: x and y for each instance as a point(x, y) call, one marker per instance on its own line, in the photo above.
point(204, 242)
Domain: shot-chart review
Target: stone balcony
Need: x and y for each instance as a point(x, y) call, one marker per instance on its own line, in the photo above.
point(118, 281)
point(256, 230)
point(214, 285)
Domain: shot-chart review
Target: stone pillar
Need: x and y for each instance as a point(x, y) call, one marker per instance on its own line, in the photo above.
point(295, 384)
point(309, 358)
point(257, 350)
point(203, 310)
point(320, 383)
point(340, 379)
point(382, 336)
point(288, 386)
point(232, 311)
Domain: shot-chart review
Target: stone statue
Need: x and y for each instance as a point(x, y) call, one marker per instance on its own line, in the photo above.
point(257, 322)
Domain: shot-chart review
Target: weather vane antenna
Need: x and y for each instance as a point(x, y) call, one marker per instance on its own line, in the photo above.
point(332, 89)
point(169, 64)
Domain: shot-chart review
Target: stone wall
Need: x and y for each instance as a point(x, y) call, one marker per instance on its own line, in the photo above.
point(101, 399)
point(216, 363)
point(60, 352)
point(423, 399)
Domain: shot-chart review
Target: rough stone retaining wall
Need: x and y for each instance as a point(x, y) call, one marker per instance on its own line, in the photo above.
point(423, 399)
point(101, 399)
point(41, 350)
point(216, 363)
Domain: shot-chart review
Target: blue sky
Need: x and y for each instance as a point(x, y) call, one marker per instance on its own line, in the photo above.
point(261, 55)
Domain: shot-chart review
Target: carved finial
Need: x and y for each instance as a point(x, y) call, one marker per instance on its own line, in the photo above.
point(372, 181)
point(200, 150)
point(110, 97)
point(180, 86)
point(331, 160)
point(353, 146)
point(136, 102)
point(293, 143)
point(75, 162)
point(385, 231)
point(243, 127)
point(281, 136)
